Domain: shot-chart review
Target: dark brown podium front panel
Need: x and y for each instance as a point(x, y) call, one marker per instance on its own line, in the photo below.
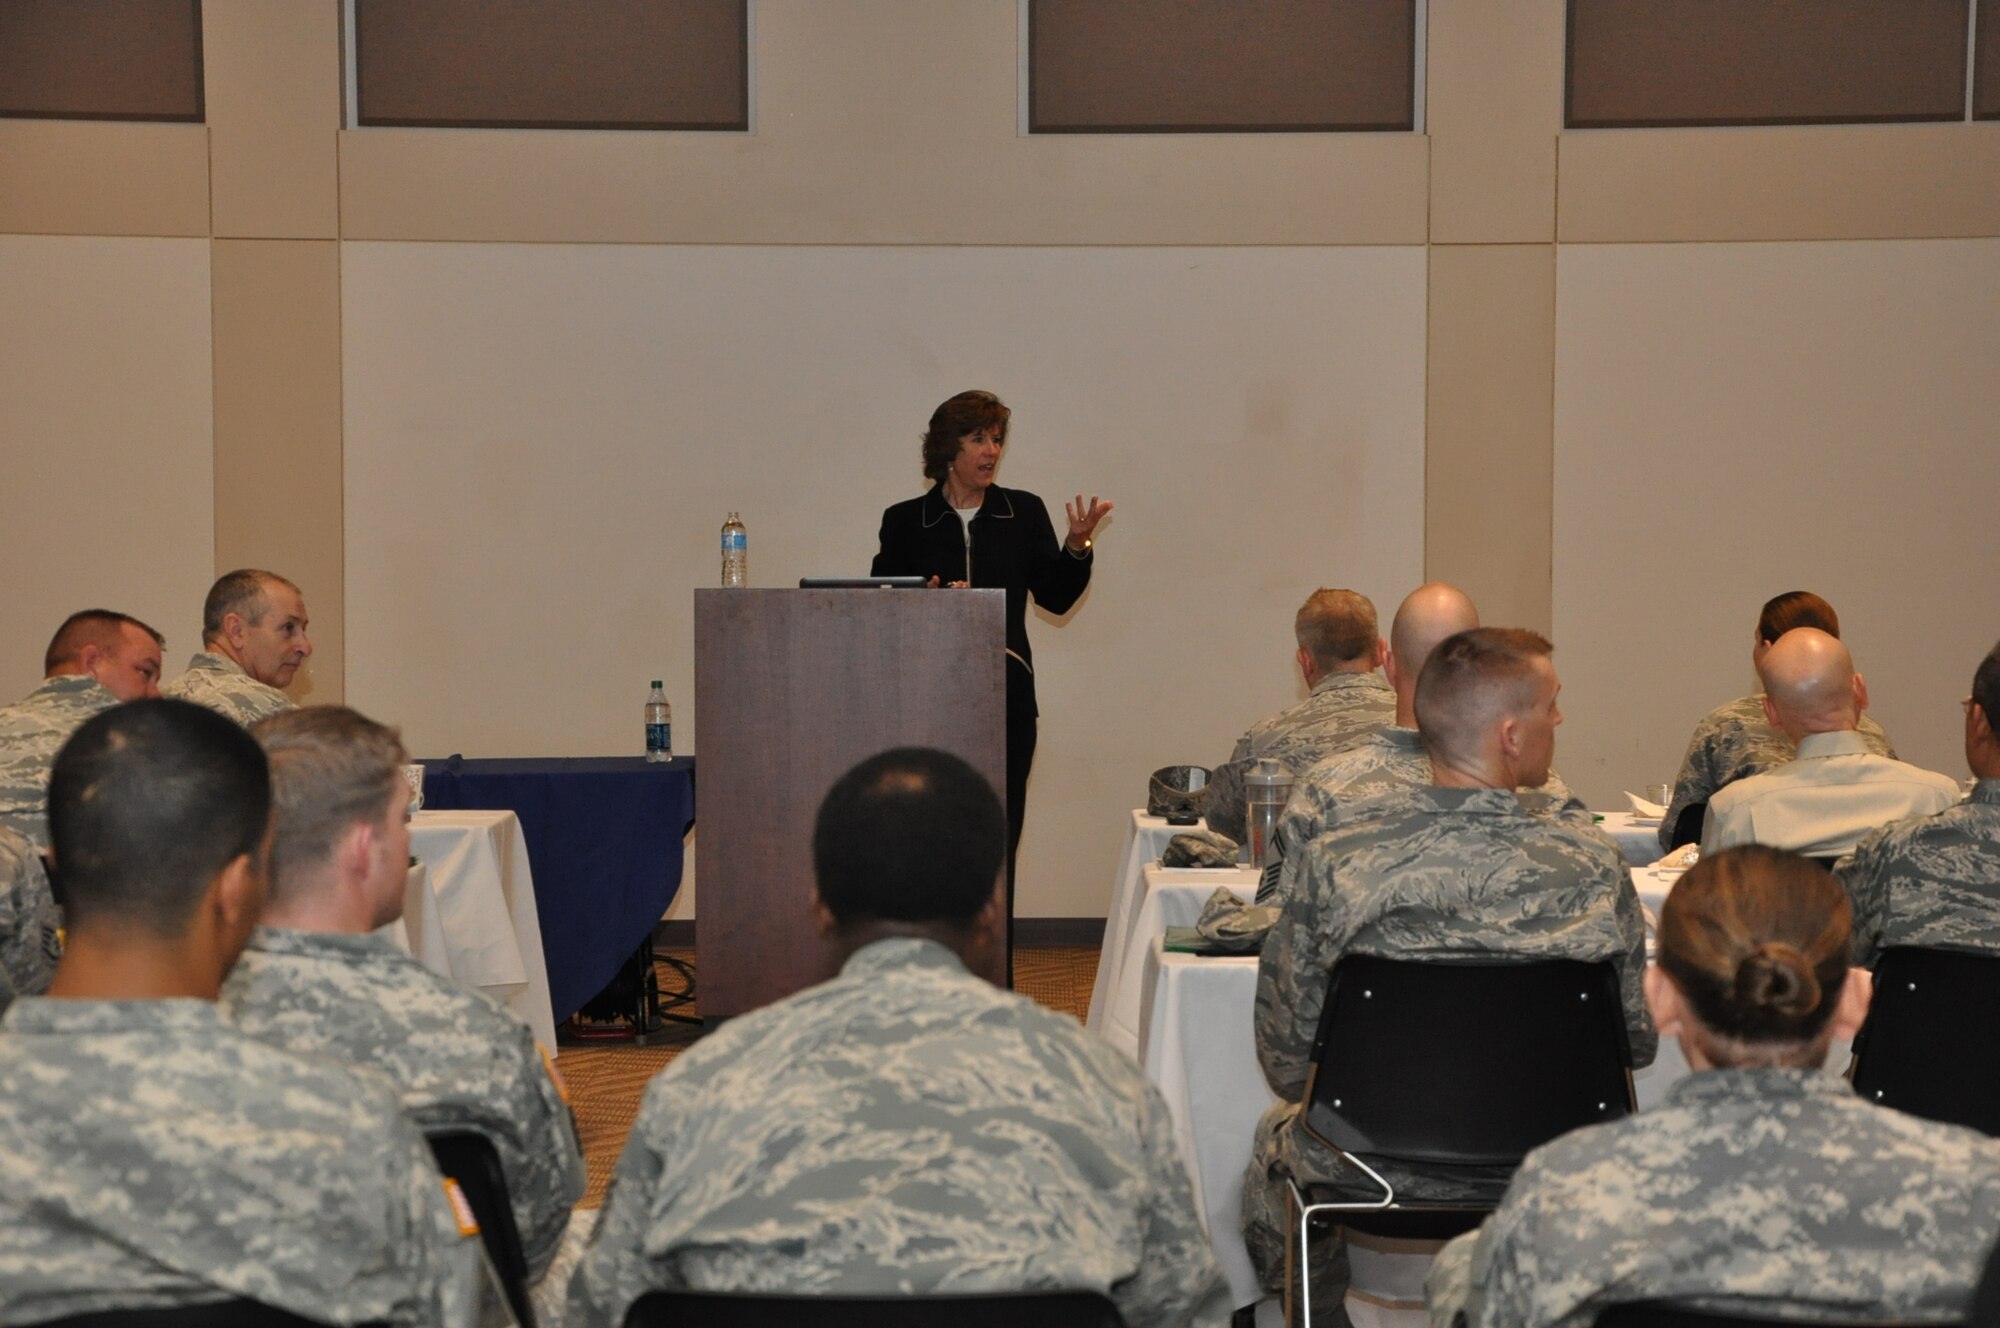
point(793, 687)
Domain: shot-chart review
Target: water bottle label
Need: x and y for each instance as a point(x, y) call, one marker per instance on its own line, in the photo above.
point(735, 541)
point(659, 737)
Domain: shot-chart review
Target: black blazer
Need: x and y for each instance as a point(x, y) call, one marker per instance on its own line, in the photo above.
point(1014, 548)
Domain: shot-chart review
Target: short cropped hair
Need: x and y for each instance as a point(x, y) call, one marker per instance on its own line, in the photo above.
point(1336, 626)
point(910, 835)
point(1986, 686)
point(1473, 678)
point(90, 627)
point(1758, 941)
point(330, 767)
point(966, 413)
point(240, 592)
point(148, 802)
point(1795, 608)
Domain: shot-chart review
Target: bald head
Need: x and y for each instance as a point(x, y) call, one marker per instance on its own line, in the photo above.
point(1426, 616)
point(1810, 685)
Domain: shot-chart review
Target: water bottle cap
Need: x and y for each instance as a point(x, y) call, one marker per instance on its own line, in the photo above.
point(656, 682)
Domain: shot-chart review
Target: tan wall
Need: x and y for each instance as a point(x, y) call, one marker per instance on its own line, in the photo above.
point(893, 124)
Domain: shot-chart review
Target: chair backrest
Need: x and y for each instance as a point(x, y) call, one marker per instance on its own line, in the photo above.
point(468, 1157)
point(722, 1309)
point(1664, 1314)
point(1935, 1013)
point(1687, 826)
point(1466, 1063)
point(223, 1314)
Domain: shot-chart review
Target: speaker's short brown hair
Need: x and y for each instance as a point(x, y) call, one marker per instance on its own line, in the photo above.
point(330, 767)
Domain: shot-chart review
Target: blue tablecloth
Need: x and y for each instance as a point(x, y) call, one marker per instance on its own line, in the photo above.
point(604, 837)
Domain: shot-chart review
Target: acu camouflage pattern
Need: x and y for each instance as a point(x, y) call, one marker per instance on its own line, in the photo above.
point(29, 918)
point(1930, 880)
point(1391, 761)
point(151, 1156)
point(458, 1059)
point(1428, 873)
point(32, 731)
point(219, 682)
point(1733, 742)
point(1773, 1192)
point(1342, 709)
point(906, 1128)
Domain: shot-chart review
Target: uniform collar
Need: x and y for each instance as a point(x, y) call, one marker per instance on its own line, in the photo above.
point(81, 1018)
point(216, 662)
point(998, 505)
point(75, 684)
point(1347, 679)
point(1765, 1082)
point(895, 953)
point(316, 944)
point(1986, 792)
point(1469, 801)
point(1844, 742)
point(1402, 739)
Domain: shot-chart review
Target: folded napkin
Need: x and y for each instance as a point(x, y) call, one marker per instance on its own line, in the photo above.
point(1644, 810)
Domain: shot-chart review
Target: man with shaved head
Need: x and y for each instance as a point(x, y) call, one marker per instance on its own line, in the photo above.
point(1825, 800)
point(1393, 758)
point(253, 630)
point(96, 659)
point(1338, 655)
point(1460, 868)
point(1735, 741)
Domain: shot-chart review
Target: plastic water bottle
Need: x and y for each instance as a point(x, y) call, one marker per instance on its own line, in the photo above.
point(659, 726)
point(735, 552)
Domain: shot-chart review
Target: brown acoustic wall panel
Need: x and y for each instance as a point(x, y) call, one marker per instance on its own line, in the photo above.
point(1751, 62)
point(1181, 66)
point(101, 59)
point(1986, 64)
point(553, 64)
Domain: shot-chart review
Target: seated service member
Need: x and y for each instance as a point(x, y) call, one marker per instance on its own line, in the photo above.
point(96, 659)
point(906, 1128)
point(29, 918)
point(1935, 880)
point(253, 625)
point(1394, 758)
point(1761, 1184)
point(1458, 868)
point(1338, 655)
point(1835, 791)
point(151, 1156)
point(1736, 741)
point(315, 979)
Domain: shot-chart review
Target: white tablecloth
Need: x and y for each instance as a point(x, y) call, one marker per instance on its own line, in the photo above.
point(1638, 840)
point(1167, 897)
point(1146, 838)
point(484, 917)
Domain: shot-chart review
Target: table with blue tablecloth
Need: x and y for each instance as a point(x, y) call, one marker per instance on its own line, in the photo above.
point(605, 845)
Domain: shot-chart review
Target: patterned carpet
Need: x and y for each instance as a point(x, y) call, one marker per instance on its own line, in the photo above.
point(605, 1083)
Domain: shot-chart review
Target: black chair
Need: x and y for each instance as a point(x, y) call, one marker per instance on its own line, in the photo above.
point(1665, 1314)
point(727, 1309)
point(225, 1314)
point(468, 1158)
point(1936, 1014)
point(1454, 1067)
point(1687, 826)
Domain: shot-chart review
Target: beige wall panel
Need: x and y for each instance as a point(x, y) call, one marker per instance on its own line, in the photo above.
point(1493, 111)
point(542, 441)
point(273, 77)
point(278, 477)
point(105, 424)
point(1810, 183)
point(78, 177)
point(876, 124)
point(1737, 420)
point(1487, 464)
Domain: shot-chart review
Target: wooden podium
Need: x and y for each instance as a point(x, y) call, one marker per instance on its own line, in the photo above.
point(792, 689)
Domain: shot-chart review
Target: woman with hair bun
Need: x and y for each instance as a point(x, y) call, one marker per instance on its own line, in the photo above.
point(1761, 1184)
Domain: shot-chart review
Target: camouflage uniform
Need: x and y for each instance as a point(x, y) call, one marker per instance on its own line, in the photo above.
point(219, 682)
point(905, 1128)
point(1342, 709)
point(1424, 874)
point(151, 1156)
point(29, 918)
point(1391, 761)
point(1733, 742)
point(1776, 1191)
point(32, 731)
point(1933, 880)
point(458, 1059)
